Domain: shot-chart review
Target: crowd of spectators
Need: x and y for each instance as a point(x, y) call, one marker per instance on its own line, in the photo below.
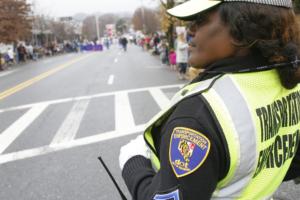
point(175, 57)
point(24, 52)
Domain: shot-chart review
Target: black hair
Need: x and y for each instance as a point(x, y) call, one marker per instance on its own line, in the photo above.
point(271, 31)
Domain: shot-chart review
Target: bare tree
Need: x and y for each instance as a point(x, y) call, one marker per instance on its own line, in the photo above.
point(54, 30)
point(105, 19)
point(146, 19)
point(168, 23)
point(15, 23)
point(89, 28)
point(121, 26)
point(41, 27)
point(137, 19)
point(59, 30)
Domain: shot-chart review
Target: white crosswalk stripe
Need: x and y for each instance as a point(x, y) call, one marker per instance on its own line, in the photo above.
point(59, 101)
point(2, 74)
point(70, 126)
point(123, 113)
point(12, 132)
point(65, 137)
point(160, 98)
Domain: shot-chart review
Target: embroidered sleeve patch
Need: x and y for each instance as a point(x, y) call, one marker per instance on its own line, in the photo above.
point(174, 195)
point(188, 150)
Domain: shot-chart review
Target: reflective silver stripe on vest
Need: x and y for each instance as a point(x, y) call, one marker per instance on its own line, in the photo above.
point(203, 85)
point(244, 126)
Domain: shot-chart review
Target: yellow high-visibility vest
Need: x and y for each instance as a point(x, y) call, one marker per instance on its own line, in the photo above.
point(260, 120)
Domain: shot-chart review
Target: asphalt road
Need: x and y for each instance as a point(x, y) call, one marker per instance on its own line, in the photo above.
point(59, 114)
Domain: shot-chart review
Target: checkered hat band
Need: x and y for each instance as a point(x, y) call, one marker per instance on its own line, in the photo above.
point(282, 3)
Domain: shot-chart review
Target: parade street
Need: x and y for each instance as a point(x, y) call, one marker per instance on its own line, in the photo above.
point(59, 114)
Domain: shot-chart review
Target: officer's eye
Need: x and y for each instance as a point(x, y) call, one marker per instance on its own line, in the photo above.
point(201, 19)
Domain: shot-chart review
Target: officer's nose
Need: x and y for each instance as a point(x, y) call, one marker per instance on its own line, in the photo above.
point(191, 31)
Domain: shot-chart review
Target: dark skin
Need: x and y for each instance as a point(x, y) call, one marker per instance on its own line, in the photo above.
point(212, 42)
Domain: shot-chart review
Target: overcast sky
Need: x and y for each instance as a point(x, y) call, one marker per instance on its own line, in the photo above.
point(58, 8)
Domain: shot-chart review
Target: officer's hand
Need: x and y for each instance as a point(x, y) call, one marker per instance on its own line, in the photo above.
point(135, 147)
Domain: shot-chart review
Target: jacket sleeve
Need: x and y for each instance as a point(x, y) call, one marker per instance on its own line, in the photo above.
point(144, 183)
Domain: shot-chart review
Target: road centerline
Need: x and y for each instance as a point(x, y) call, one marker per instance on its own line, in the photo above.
point(36, 79)
point(111, 80)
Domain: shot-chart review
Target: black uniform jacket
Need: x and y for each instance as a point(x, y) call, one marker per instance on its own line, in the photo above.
point(144, 183)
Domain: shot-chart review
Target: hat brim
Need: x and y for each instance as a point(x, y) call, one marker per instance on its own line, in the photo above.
point(189, 9)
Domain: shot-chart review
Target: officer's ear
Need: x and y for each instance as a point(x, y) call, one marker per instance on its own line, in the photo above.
point(241, 48)
point(243, 44)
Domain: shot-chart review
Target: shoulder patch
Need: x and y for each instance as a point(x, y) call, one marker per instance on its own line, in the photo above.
point(174, 195)
point(188, 150)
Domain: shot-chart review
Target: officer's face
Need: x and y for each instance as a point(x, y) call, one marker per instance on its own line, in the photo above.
point(211, 41)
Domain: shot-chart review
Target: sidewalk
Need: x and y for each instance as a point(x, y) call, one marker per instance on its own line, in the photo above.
point(287, 191)
point(6, 66)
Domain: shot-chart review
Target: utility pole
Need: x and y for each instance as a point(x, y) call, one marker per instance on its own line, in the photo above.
point(97, 28)
point(170, 4)
point(143, 16)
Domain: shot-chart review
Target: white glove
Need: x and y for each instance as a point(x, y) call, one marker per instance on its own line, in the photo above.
point(135, 147)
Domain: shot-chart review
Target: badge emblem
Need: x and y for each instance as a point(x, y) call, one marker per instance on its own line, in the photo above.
point(174, 195)
point(188, 150)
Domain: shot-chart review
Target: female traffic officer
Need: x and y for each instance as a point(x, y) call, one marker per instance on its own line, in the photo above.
point(233, 132)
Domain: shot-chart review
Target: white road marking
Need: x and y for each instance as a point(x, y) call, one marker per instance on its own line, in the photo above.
point(7, 73)
point(59, 101)
point(111, 80)
point(47, 61)
point(124, 123)
point(160, 98)
point(12, 132)
point(155, 67)
point(74, 143)
point(123, 114)
point(116, 60)
point(70, 126)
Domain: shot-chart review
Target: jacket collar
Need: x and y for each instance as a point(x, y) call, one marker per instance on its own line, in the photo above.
point(232, 64)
